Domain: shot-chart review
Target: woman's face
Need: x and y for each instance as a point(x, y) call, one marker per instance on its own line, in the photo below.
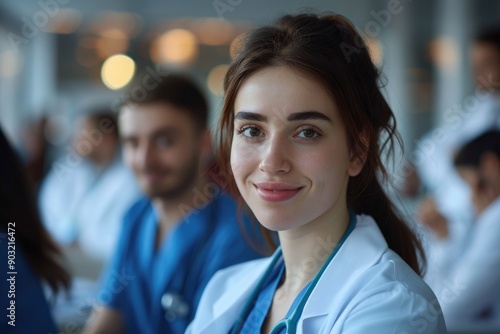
point(289, 153)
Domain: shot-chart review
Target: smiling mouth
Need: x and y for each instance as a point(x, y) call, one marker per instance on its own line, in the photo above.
point(274, 194)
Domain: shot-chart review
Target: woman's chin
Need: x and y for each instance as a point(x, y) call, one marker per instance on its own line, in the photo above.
point(277, 222)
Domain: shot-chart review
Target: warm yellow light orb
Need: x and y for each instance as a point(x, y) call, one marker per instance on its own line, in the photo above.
point(117, 71)
point(177, 46)
point(215, 79)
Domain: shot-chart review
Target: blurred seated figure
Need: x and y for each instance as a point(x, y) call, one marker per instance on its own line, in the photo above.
point(29, 256)
point(88, 190)
point(447, 194)
point(186, 229)
point(467, 282)
point(35, 148)
point(460, 126)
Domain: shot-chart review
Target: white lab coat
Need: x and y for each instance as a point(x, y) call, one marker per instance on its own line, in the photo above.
point(470, 286)
point(85, 205)
point(366, 288)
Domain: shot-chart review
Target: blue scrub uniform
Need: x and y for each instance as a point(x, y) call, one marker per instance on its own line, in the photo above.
point(208, 239)
point(32, 313)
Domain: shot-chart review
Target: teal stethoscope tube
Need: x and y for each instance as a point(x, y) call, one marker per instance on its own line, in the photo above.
point(290, 324)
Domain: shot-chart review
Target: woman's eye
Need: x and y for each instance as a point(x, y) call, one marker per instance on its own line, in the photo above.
point(308, 134)
point(250, 132)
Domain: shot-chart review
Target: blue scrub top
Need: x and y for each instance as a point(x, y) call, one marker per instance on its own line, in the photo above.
point(208, 239)
point(258, 314)
point(32, 313)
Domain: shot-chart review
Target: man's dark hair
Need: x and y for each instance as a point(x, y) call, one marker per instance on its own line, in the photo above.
point(176, 90)
point(470, 154)
point(489, 36)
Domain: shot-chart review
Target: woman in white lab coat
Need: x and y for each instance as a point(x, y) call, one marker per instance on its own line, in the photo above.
point(299, 135)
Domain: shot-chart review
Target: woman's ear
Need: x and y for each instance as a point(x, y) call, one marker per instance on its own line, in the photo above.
point(358, 155)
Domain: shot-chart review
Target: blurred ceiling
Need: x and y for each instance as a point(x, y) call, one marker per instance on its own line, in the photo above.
point(257, 11)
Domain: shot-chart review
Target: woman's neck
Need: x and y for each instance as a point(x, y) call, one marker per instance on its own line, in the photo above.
point(305, 249)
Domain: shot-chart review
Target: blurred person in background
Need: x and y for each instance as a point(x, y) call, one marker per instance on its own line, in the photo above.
point(35, 256)
point(88, 190)
point(35, 149)
point(183, 231)
point(447, 195)
point(467, 284)
point(485, 62)
point(40, 137)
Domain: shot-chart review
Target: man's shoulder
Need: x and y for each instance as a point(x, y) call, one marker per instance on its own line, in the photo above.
point(228, 211)
point(230, 223)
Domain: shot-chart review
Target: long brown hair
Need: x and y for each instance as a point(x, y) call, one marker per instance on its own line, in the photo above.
point(18, 205)
point(327, 48)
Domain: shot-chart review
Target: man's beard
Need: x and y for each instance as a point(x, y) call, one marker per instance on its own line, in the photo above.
point(186, 177)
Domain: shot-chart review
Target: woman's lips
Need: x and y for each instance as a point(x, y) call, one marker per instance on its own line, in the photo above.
point(276, 192)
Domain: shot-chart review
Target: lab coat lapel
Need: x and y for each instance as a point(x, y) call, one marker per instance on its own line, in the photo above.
point(230, 304)
point(361, 250)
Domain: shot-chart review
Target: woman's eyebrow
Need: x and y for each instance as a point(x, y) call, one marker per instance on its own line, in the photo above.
point(298, 116)
point(311, 114)
point(250, 116)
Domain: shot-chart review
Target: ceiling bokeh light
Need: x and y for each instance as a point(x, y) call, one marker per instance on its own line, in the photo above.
point(117, 71)
point(215, 80)
point(176, 47)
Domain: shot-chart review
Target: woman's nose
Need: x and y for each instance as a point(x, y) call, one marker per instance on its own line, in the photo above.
point(274, 158)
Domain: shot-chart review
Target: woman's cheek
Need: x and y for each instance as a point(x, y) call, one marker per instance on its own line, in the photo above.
point(244, 157)
point(316, 162)
point(327, 169)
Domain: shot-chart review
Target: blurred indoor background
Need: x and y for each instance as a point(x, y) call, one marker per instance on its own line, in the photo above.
point(61, 58)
